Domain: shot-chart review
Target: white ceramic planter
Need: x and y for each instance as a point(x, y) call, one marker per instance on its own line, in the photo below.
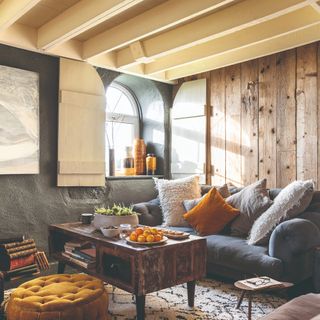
point(101, 220)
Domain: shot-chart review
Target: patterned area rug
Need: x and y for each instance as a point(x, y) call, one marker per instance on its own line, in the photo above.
point(214, 300)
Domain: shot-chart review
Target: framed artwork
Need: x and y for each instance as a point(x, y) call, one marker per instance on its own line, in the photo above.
point(19, 121)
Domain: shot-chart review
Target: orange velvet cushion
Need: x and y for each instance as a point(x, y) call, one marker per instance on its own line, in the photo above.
point(211, 214)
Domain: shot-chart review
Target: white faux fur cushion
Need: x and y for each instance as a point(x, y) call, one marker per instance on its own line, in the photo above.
point(172, 193)
point(290, 202)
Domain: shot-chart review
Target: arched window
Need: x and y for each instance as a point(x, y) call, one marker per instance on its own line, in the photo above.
point(122, 125)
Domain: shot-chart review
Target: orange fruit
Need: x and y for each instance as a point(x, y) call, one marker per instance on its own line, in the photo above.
point(141, 238)
point(150, 238)
point(157, 238)
point(153, 230)
point(139, 231)
point(133, 236)
point(146, 233)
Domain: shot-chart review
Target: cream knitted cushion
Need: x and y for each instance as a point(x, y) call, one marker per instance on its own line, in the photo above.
point(291, 201)
point(172, 193)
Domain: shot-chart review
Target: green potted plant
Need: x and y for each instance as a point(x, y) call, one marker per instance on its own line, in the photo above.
point(114, 216)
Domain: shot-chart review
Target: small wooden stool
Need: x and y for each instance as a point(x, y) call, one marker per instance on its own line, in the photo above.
point(249, 291)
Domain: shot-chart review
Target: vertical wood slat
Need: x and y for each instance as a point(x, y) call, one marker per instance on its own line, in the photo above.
point(307, 115)
point(249, 122)
point(233, 123)
point(218, 127)
point(208, 130)
point(267, 120)
point(286, 118)
point(318, 151)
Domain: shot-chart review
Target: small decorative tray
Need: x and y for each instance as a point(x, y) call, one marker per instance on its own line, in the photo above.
point(176, 235)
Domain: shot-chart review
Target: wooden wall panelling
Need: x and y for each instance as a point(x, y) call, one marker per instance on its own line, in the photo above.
point(267, 120)
point(286, 117)
point(218, 127)
point(233, 123)
point(249, 121)
point(307, 115)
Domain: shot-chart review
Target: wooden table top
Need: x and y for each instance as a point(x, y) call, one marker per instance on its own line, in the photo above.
point(242, 286)
point(88, 233)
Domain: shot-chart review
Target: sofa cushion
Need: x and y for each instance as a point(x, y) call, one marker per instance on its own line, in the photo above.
point(235, 253)
point(150, 213)
point(291, 201)
point(211, 214)
point(171, 195)
point(252, 201)
point(190, 204)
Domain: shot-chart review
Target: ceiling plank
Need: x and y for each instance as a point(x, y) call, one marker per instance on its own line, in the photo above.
point(157, 19)
point(12, 10)
point(285, 42)
point(231, 19)
point(267, 30)
point(82, 16)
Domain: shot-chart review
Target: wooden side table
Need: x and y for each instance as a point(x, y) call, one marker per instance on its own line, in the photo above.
point(246, 290)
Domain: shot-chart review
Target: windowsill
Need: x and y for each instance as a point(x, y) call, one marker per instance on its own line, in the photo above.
point(132, 177)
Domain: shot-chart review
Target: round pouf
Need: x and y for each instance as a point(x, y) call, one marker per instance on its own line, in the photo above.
point(63, 297)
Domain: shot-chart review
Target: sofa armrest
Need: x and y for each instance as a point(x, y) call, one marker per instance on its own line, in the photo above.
point(150, 212)
point(293, 237)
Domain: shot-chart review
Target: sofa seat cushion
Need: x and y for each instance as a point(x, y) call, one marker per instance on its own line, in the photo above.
point(235, 253)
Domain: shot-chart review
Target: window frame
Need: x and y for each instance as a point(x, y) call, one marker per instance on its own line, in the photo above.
point(117, 117)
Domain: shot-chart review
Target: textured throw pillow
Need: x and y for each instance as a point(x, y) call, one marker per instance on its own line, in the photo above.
point(211, 214)
point(252, 201)
point(290, 202)
point(171, 195)
point(189, 204)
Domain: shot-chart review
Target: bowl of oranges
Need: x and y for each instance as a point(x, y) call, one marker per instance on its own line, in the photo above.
point(146, 236)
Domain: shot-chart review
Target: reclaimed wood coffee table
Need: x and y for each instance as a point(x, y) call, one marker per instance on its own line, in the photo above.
point(138, 269)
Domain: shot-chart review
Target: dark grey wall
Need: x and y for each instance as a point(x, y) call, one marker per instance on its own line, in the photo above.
point(29, 203)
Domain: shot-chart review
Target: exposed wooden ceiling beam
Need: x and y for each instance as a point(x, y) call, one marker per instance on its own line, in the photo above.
point(104, 61)
point(290, 22)
point(12, 10)
point(82, 16)
point(285, 42)
point(316, 6)
point(231, 19)
point(159, 18)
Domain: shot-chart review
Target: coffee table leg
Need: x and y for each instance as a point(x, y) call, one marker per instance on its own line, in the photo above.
point(140, 305)
point(1, 288)
point(191, 285)
point(240, 299)
point(249, 305)
point(61, 267)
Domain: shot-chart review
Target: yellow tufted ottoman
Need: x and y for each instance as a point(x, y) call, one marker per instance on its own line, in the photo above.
point(59, 297)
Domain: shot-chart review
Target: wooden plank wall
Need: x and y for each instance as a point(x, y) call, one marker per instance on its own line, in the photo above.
point(266, 119)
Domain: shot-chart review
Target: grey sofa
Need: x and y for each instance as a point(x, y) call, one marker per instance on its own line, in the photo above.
point(289, 256)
